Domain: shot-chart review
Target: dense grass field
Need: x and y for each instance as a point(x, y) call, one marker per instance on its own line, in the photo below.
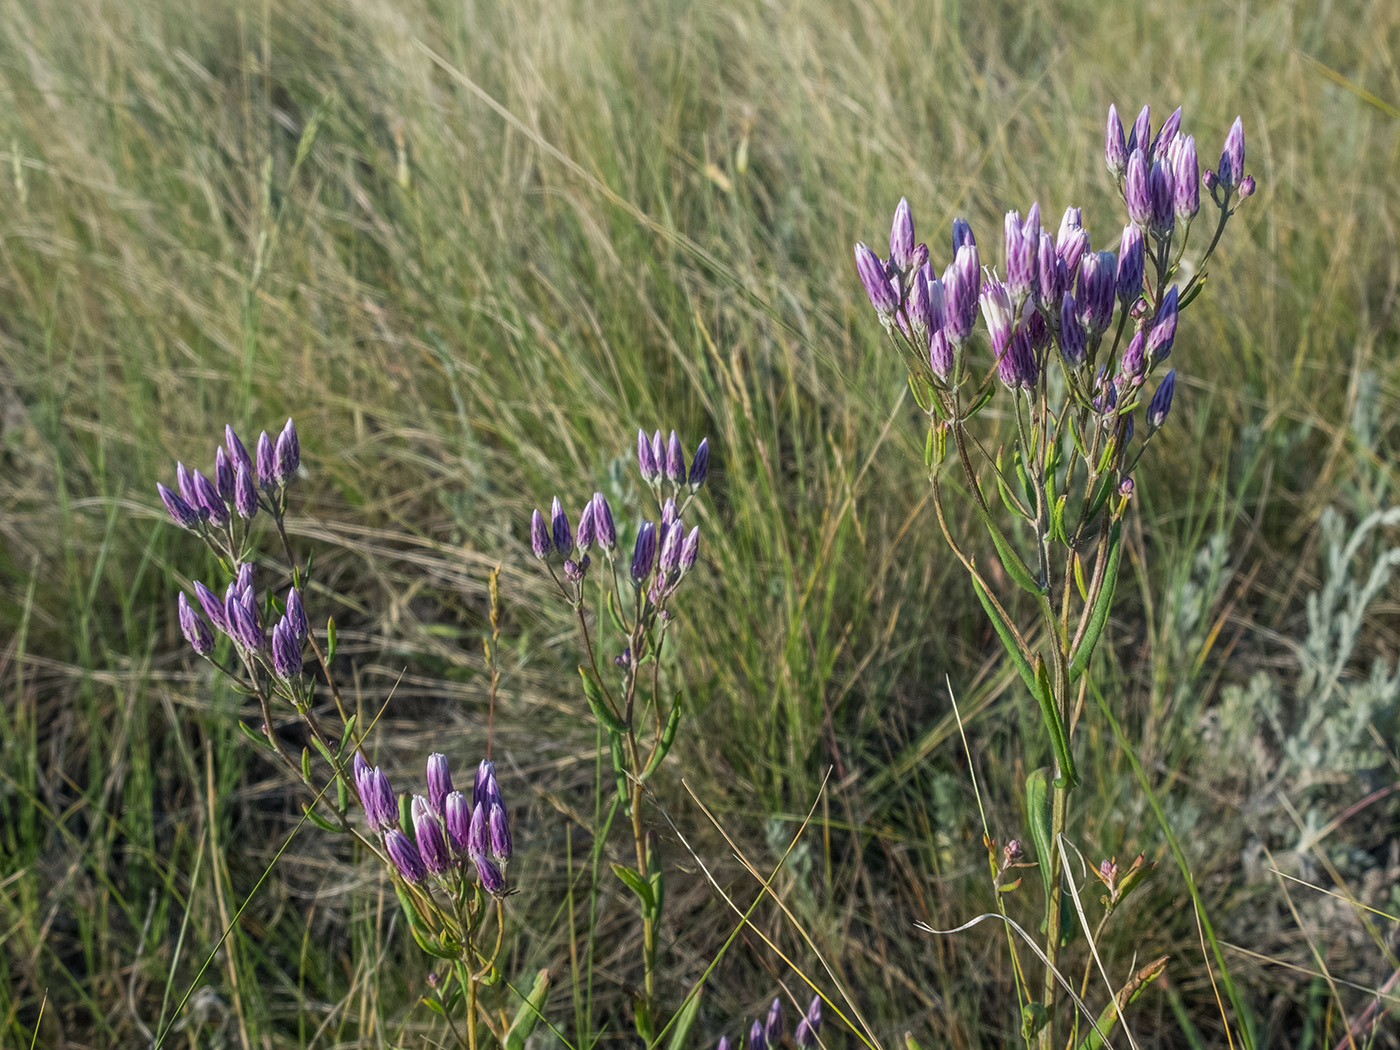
point(471, 248)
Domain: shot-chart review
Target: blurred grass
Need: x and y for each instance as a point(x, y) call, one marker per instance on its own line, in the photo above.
point(221, 212)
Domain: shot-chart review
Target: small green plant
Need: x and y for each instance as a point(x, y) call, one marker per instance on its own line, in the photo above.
point(1075, 335)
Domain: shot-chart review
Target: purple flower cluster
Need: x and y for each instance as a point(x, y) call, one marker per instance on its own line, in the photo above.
point(198, 502)
point(1056, 290)
point(448, 829)
point(663, 552)
point(768, 1033)
point(238, 614)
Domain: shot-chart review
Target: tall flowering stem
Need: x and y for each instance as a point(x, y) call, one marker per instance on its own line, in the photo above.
point(446, 852)
point(1070, 343)
point(637, 588)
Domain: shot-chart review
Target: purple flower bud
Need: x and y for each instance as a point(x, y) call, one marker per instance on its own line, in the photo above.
point(360, 769)
point(223, 475)
point(1096, 289)
point(940, 354)
point(623, 659)
point(1127, 437)
point(586, 534)
point(1231, 170)
point(237, 454)
point(723, 1043)
point(920, 308)
point(267, 462)
point(432, 839)
point(690, 550)
point(492, 881)
point(184, 481)
point(1073, 342)
point(962, 287)
point(245, 495)
point(1000, 315)
point(773, 1027)
point(575, 571)
point(646, 462)
point(286, 651)
point(1186, 178)
point(1161, 402)
point(1132, 260)
point(877, 286)
point(658, 452)
point(498, 833)
point(1159, 341)
point(296, 616)
point(814, 1014)
point(1135, 190)
point(700, 465)
point(1106, 396)
point(670, 560)
point(1115, 146)
point(1246, 187)
point(675, 460)
point(476, 831)
point(1142, 130)
point(1162, 144)
point(604, 531)
point(1134, 362)
point(902, 237)
point(668, 513)
point(241, 616)
point(1161, 189)
point(287, 456)
point(757, 1040)
point(193, 627)
point(185, 516)
point(1020, 259)
point(458, 821)
point(439, 780)
point(212, 605)
point(962, 235)
point(207, 494)
point(483, 784)
point(919, 257)
point(243, 578)
point(1052, 271)
point(1017, 367)
point(381, 805)
point(405, 856)
point(1208, 180)
point(559, 521)
point(644, 552)
point(1036, 328)
point(539, 535)
point(803, 1036)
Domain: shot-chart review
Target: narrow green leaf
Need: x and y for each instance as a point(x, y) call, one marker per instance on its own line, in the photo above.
point(619, 759)
point(306, 764)
point(320, 821)
point(348, 733)
point(258, 738)
point(616, 614)
point(668, 737)
point(637, 885)
point(529, 1013)
point(330, 639)
point(1038, 813)
point(1010, 560)
point(1008, 641)
point(593, 690)
point(1055, 726)
point(1103, 605)
point(1108, 1019)
point(683, 1021)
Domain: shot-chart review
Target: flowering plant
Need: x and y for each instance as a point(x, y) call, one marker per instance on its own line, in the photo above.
point(1075, 336)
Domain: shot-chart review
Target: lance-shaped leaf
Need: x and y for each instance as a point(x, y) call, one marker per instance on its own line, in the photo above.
point(683, 1020)
point(1055, 726)
point(1103, 604)
point(638, 885)
point(668, 737)
point(593, 690)
point(529, 1014)
point(1010, 560)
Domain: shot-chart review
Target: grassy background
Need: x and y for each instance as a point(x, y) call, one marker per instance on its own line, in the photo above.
point(470, 278)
